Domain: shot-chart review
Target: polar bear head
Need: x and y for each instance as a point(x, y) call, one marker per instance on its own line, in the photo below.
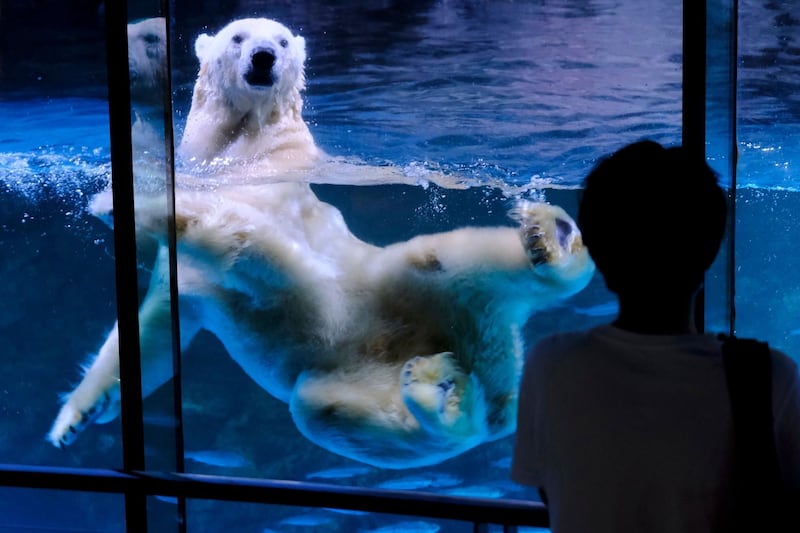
point(253, 61)
point(247, 101)
point(147, 59)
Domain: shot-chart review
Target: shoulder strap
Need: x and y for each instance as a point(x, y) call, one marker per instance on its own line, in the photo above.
point(748, 370)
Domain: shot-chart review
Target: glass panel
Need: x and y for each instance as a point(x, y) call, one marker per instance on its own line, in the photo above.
point(720, 147)
point(432, 119)
point(58, 294)
point(49, 511)
point(516, 101)
point(767, 286)
point(151, 139)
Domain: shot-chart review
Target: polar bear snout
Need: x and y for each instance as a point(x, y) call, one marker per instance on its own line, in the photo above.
point(259, 72)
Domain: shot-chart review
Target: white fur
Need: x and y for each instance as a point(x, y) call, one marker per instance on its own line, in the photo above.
point(147, 68)
point(233, 119)
point(147, 60)
point(396, 356)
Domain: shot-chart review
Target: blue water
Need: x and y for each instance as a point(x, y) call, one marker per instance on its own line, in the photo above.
point(498, 92)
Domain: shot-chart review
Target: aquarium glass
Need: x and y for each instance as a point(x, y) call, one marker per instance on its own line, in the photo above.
point(49, 511)
point(767, 288)
point(720, 133)
point(209, 516)
point(438, 116)
point(58, 262)
point(432, 118)
point(153, 175)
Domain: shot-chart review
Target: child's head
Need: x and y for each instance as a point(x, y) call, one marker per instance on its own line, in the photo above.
point(653, 219)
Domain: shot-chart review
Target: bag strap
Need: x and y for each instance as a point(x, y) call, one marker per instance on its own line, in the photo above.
point(748, 370)
point(763, 502)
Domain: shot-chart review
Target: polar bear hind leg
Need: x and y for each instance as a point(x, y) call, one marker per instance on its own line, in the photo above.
point(392, 415)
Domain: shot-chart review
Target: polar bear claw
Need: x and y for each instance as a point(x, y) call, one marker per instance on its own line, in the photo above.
point(433, 388)
point(71, 421)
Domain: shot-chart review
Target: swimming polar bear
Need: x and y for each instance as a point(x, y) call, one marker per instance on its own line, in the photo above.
point(247, 104)
point(396, 356)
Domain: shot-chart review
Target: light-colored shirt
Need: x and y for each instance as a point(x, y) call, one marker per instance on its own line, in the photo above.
point(633, 433)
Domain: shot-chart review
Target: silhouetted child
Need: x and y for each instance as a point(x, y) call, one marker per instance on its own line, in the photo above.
point(626, 427)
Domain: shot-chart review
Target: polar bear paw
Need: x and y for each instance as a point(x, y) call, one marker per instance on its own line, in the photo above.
point(72, 420)
point(438, 393)
point(547, 232)
point(534, 243)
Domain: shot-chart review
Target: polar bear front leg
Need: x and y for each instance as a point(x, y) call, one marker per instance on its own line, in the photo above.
point(97, 396)
point(553, 244)
point(95, 399)
point(443, 399)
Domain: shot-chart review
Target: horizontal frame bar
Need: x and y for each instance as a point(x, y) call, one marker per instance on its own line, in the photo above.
point(276, 492)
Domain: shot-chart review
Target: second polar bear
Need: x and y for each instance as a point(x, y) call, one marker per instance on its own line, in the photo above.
point(396, 356)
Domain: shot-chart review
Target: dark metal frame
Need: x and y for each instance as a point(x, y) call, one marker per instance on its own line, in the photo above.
point(138, 484)
point(693, 127)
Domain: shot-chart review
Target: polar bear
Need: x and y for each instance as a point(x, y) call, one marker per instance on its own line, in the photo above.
point(397, 356)
point(147, 70)
point(247, 104)
point(147, 60)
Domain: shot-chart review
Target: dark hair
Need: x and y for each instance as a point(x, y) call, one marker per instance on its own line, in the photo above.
point(652, 217)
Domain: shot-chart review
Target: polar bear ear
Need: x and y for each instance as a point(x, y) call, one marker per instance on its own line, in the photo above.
point(202, 45)
point(300, 46)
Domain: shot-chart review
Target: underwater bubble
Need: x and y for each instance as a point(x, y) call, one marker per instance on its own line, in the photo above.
point(37, 177)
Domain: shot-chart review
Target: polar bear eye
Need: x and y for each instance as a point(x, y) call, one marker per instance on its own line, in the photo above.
point(284, 43)
point(238, 38)
point(151, 38)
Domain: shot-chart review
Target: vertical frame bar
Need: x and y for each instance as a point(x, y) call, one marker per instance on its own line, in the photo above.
point(119, 103)
point(733, 83)
point(694, 76)
point(721, 152)
point(169, 150)
point(693, 127)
